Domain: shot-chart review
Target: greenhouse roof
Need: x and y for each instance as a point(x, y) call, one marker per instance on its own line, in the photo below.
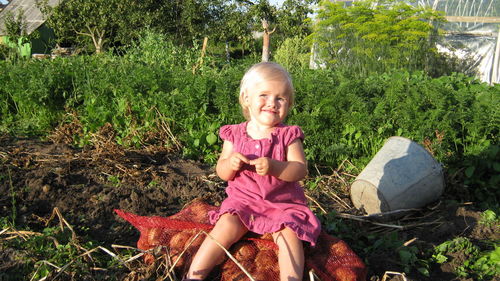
point(33, 15)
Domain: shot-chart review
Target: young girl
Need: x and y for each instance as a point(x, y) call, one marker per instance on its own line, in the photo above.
point(262, 159)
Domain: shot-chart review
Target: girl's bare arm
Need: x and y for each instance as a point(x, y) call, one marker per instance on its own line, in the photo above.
point(229, 162)
point(293, 169)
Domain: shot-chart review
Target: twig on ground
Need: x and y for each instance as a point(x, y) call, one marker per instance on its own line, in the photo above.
point(387, 273)
point(15, 234)
point(313, 276)
point(409, 242)
point(317, 204)
point(62, 222)
point(338, 199)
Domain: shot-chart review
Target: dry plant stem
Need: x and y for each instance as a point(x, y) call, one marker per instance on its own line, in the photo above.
point(62, 222)
point(62, 269)
point(317, 204)
point(4, 230)
point(167, 130)
point(16, 234)
point(339, 200)
point(387, 273)
point(409, 242)
point(313, 276)
point(348, 216)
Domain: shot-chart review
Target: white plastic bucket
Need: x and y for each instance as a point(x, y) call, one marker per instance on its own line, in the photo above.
point(402, 175)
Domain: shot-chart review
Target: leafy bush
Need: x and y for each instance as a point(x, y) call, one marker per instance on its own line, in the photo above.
point(293, 54)
point(154, 48)
point(378, 36)
point(344, 117)
point(477, 264)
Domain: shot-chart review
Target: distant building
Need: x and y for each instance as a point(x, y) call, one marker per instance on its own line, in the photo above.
point(35, 22)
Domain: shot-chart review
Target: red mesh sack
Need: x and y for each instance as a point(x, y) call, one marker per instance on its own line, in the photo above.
point(331, 258)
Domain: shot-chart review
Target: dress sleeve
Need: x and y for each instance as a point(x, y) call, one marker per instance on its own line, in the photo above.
point(293, 133)
point(226, 133)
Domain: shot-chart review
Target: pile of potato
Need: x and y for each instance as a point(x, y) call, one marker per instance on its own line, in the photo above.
point(331, 259)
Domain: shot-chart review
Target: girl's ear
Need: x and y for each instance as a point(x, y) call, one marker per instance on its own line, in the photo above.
point(245, 98)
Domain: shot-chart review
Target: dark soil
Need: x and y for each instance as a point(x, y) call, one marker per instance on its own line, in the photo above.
point(86, 185)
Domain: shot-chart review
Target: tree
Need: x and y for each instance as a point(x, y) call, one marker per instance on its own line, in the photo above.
point(16, 25)
point(104, 23)
point(265, 14)
point(231, 24)
point(82, 21)
point(293, 18)
point(376, 35)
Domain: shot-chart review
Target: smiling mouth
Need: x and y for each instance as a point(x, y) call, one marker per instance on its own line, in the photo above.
point(270, 111)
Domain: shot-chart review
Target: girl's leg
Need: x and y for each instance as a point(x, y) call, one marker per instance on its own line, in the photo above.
point(228, 230)
point(290, 255)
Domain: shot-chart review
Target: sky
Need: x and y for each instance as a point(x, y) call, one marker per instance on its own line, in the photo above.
point(274, 2)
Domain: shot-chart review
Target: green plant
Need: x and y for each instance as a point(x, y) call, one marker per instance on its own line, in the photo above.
point(489, 218)
point(481, 265)
point(115, 180)
point(376, 36)
point(293, 54)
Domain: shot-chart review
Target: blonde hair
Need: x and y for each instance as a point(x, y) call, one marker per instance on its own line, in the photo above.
point(265, 71)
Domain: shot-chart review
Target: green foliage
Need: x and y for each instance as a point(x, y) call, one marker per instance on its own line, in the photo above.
point(39, 252)
point(490, 218)
point(478, 265)
point(368, 244)
point(152, 90)
point(293, 54)
point(293, 18)
point(158, 50)
point(16, 25)
point(376, 36)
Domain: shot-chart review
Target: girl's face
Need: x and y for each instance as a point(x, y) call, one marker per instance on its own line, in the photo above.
point(267, 102)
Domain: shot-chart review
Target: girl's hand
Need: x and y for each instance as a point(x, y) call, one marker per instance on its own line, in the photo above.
point(262, 165)
point(236, 161)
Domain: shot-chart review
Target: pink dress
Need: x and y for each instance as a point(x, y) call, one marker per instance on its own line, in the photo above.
point(265, 204)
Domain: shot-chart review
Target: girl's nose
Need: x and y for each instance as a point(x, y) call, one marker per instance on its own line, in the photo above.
point(271, 102)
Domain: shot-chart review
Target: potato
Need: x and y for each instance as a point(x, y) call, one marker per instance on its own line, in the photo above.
point(149, 258)
point(143, 244)
point(197, 242)
point(339, 249)
point(182, 260)
point(230, 271)
point(200, 213)
point(266, 259)
point(265, 275)
point(246, 252)
point(154, 236)
point(179, 240)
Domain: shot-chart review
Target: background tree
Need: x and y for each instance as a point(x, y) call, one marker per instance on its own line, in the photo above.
point(85, 22)
point(264, 14)
point(231, 25)
point(376, 36)
point(293, 18)
point(102, 23)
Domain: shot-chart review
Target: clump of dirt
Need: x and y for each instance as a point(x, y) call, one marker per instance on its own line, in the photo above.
point(87, 184)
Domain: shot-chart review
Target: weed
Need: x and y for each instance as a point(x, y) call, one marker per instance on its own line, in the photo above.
point(474, 263)
point(115, 180)
point(489, 218)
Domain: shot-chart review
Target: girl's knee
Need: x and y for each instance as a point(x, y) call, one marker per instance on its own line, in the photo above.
point(286, 235)
point(229, 229)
